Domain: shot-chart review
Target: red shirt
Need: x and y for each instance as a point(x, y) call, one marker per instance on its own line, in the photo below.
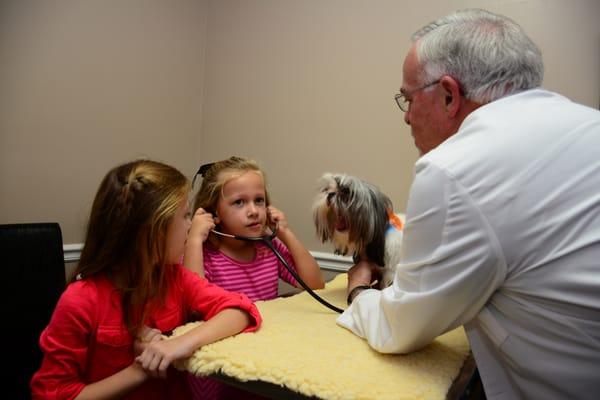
point(86, 339)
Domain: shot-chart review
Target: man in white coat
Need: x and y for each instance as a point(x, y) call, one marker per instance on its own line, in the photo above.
point(503, 219)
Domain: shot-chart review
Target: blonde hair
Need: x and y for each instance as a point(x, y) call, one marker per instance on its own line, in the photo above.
point(218, 174)
point(126, 236)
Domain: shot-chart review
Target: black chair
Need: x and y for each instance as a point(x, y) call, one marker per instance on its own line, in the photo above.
point(34, 278)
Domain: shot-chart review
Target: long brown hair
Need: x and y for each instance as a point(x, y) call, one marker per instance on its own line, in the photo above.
point(127, 232)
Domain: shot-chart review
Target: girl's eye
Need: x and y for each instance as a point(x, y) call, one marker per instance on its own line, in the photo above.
point(238, 202)
point(260, 201)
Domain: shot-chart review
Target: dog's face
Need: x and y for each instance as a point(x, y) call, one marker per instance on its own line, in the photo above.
point(350, 213)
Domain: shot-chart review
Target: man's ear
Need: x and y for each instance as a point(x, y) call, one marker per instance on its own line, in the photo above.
point(452, 93)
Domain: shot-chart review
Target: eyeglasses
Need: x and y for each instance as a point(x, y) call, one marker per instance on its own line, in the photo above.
point(402, 100)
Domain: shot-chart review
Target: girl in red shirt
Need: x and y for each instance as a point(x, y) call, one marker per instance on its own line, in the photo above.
point(104, 339)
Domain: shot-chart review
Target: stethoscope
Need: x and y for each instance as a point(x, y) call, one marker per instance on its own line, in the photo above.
point(267, 240)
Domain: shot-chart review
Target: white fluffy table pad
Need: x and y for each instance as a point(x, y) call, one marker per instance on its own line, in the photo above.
point(300, 346)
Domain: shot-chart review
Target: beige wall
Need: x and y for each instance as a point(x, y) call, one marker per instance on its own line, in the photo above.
point(303, 86)
point(85, 85)
point(307, 86)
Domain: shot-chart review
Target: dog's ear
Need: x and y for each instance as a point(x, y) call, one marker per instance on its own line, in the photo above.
point(326, 182)
point(320, 210)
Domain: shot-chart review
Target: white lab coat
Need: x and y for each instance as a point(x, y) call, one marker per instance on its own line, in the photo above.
point(503, 235)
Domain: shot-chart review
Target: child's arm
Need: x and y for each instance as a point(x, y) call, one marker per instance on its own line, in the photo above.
point(193, 258)
point(124, 381)
point(158, 355)
point(115, 386)
point(307, 267)
point(65, 343)
point(121, 383)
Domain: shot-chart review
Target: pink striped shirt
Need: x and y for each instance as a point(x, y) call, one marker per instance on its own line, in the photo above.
point(257, 279)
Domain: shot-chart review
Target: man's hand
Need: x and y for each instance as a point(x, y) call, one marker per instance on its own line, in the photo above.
point(362, 273)
point(360, 277)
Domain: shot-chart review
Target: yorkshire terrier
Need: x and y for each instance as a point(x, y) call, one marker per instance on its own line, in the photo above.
point(358, 218)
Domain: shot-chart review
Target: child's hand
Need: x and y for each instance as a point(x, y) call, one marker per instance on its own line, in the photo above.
point(155, 360)
point(307, 267)
point(278, 217)
point(159, 355)
point(145, 336)
point(202, 224)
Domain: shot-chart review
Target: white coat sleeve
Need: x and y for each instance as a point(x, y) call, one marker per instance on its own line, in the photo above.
point(451, 264)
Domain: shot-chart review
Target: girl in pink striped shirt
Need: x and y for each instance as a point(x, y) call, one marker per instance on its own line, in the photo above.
point(233, 199)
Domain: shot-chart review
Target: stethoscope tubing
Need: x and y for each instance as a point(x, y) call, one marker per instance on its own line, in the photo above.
point(268, 241)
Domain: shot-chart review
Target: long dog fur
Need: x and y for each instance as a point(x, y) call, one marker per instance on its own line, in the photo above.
point(354, 215)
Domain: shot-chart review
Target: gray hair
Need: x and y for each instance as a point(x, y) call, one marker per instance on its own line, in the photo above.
point(489, 54)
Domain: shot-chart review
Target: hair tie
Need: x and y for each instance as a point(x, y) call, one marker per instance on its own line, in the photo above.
point(204, 169)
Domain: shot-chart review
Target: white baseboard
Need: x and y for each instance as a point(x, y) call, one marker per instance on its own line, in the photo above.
point(332, 262)
point(72, 252)
point(327, 261)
